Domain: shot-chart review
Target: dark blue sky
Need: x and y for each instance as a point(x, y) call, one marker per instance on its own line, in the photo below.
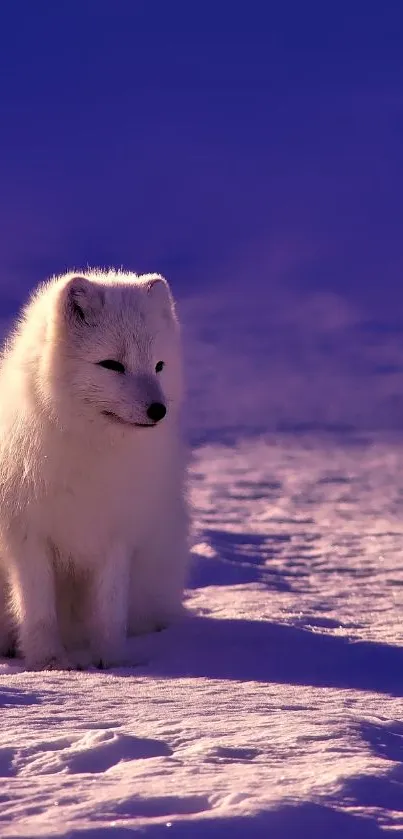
point(182, 136)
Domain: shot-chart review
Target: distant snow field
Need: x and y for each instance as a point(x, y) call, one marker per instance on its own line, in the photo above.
point(275, 710)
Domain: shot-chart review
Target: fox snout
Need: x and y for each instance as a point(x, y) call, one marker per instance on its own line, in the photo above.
point(142, 402)
point(156, 411)
point(151, 396)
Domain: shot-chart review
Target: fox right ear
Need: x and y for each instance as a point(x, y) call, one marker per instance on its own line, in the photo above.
point(158, 289)
point(83, 300)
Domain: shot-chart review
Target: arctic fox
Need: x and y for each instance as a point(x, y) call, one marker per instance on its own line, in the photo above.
point(93, 516)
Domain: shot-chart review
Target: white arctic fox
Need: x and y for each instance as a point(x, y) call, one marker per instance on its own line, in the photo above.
point(93, 518)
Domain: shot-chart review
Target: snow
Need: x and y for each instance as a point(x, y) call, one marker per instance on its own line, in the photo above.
point(275, 709)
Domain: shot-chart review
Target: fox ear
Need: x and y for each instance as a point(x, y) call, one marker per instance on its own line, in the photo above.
point(158, 289)
point(84, 301)
point(158, 285)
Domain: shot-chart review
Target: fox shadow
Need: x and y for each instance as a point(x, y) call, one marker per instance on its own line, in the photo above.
point(260, 651)
point(263, 651)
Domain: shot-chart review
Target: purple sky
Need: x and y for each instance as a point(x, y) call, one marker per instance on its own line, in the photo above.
point(182, 137)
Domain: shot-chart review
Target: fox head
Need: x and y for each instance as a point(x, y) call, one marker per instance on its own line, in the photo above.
point(112, 351)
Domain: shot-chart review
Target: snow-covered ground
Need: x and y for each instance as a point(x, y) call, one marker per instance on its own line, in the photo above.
point(276, 709)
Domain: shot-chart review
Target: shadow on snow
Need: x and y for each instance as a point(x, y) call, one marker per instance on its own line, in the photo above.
point(247, 650)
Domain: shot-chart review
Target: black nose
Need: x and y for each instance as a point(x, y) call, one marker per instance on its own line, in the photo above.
point(156, 411)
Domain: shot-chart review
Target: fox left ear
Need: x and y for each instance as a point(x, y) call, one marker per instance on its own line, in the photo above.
point(84, 300)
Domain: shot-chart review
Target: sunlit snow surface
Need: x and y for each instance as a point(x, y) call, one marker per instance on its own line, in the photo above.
point(276, 709)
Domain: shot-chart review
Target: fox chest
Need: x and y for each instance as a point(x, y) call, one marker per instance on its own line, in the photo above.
point(85, 517)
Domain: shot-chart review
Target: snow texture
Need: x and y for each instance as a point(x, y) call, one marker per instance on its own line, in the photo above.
point(275, 709)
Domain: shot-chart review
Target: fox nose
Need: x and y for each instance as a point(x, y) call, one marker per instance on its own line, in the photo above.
point(156, 411)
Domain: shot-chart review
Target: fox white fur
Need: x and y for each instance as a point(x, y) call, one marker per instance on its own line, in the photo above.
point(93, 516)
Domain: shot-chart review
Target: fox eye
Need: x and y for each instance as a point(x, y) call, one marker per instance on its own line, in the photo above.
point(110, 364)
point(159, 366)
